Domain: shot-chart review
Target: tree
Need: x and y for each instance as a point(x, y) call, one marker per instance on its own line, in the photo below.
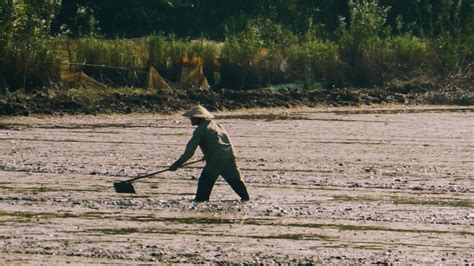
point(361, 40)
point(26, 59)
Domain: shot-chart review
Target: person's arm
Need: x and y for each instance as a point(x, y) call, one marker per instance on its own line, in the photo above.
point(191, 147)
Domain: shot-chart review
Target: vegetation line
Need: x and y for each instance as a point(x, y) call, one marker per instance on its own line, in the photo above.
point(297, 53)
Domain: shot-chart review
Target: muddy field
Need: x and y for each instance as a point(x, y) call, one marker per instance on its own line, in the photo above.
point(387, 184)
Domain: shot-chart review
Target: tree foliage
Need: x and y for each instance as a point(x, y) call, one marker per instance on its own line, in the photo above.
point(338, 42)
point(25, 55)
point(212, 18)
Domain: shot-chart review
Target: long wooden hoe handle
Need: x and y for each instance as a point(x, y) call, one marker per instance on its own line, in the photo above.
point(159, 172)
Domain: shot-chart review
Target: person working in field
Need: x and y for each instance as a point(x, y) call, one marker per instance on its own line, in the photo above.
point(218, 152)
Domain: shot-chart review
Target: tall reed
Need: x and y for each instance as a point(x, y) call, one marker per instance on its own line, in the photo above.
point(118, 58)
point(166, 55)
point(207, 53)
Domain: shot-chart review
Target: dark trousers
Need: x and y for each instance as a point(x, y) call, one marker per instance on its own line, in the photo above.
point(229, 170)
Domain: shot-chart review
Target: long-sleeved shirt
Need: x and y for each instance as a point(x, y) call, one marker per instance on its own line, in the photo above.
point(213, 140)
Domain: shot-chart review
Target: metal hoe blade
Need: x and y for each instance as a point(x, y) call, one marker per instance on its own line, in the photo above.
point(124, 187)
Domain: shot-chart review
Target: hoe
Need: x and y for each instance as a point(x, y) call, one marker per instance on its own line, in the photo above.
point(127, 186)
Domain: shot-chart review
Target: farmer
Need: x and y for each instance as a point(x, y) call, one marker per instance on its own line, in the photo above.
point(218, 153)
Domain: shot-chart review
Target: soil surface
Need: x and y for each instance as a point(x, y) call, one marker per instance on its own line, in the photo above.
point(390, 184)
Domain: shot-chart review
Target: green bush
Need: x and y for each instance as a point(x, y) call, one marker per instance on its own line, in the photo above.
point(315, 60)
point(361, 41)
point(257, 56)
point(452, 53)
point(274, 66)
point(405, 54)
point(238, 58)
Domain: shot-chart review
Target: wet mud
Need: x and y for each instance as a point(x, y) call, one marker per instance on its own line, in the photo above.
point(390, 184)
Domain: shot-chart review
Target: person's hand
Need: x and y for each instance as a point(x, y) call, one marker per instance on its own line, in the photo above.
point(174, 166)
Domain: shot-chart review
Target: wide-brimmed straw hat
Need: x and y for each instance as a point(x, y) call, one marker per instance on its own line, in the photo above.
point(199, 112)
